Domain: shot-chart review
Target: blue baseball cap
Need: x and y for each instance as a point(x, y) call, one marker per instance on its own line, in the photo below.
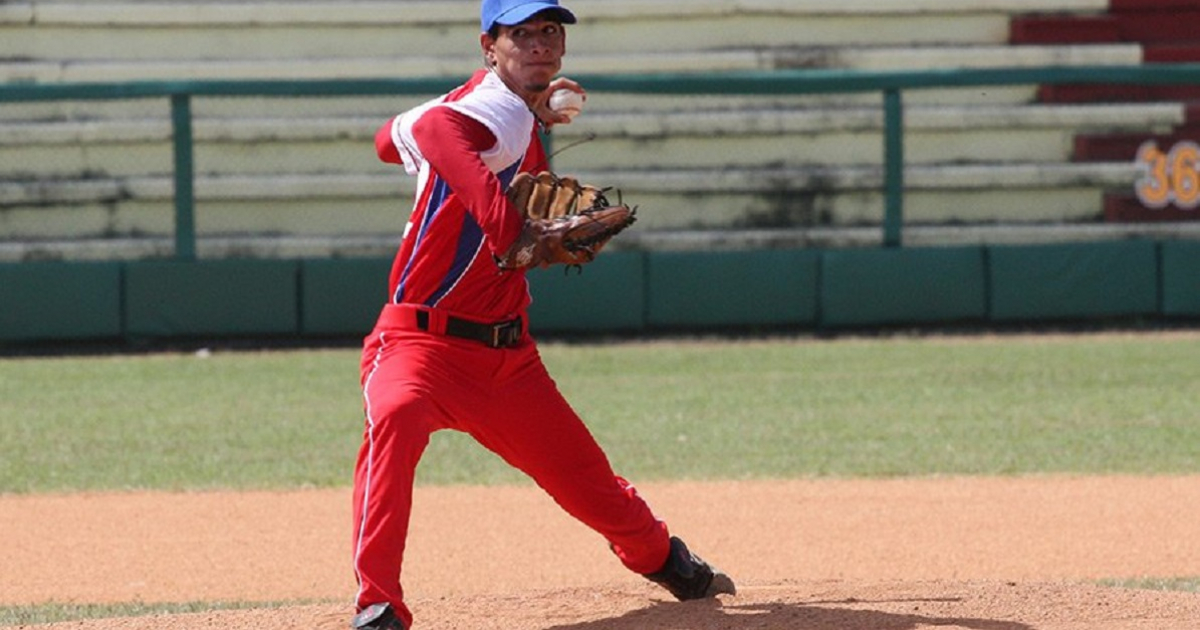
point(510, 12)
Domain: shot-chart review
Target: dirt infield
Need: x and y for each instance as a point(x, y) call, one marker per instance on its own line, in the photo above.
point(981, 554)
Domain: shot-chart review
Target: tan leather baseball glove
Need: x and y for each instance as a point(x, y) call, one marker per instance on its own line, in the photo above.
point(565, 222)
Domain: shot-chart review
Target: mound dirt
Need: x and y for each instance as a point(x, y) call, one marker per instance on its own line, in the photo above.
point(906, 554)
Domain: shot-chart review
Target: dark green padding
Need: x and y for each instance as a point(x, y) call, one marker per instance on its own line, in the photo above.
point(607, 296)
point(863, 287)
point(740, 288)
point(218, 297)
point(1072, 281)
point(1181, 278)
point(59, 300)
point(343, 296)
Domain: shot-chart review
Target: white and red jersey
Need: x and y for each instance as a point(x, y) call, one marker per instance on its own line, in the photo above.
point(465, 148)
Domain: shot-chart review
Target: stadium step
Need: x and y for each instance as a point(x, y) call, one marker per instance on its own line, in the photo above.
point(72, 29)
point(1147, 21)
point(671, 199)
point(1166, 31)
point(1117, 93)
point(1126, 208)
point(700, 168)
point(1172, 53)
point(873, 58)
point(685, 137)
point(1108, 146)
point(303, 169)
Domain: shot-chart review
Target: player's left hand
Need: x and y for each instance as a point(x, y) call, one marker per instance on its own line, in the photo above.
point(566, 222)
point(568, 240)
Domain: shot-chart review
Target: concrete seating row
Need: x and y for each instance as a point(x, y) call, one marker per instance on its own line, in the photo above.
point(303, 169)
point(1166, 32)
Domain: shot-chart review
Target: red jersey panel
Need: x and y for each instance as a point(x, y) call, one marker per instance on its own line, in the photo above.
point(464, 148)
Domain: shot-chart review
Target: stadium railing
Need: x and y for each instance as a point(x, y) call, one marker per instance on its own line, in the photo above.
point(890, 84)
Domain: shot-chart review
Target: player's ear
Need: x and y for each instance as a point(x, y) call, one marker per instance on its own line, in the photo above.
point(488, 45)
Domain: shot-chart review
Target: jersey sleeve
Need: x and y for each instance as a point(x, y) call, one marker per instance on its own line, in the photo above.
point(496, 107)
point(385, 146)
point(454, 145)
point(394, 141)
point(488, 102)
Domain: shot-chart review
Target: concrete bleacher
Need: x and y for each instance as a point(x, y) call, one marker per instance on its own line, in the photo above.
point(279, 176)
point(1166, 31)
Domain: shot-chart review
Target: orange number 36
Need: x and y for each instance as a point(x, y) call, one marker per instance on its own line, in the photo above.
point(1167, 178)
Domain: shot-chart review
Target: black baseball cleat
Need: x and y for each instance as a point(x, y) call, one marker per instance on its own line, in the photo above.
point(689, 577)
point(376, 617)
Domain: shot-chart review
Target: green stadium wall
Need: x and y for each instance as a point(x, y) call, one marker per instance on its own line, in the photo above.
point(1086, 280)
point(622, 292)
point(1180, 279)
point(869, 287)
point(210, 298)
point(58, 300)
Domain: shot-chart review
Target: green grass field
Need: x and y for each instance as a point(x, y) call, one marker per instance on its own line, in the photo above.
point(897, 406)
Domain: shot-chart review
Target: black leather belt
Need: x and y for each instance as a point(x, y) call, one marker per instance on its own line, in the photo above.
point(497, 335)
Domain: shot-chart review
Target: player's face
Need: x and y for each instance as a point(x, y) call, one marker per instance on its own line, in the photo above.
point(528, 55)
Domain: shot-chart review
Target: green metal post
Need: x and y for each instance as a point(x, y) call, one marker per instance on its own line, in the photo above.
point(185, 200)
point(893, 163)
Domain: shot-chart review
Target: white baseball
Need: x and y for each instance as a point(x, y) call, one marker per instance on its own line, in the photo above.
point(566, 102)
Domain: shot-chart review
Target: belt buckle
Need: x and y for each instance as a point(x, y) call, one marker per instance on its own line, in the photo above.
point(506, 334)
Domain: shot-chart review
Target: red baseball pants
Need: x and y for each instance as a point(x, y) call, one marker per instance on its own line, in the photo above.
point(415, 383)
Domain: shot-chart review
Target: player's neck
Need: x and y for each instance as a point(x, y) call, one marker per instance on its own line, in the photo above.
point(524, 94)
